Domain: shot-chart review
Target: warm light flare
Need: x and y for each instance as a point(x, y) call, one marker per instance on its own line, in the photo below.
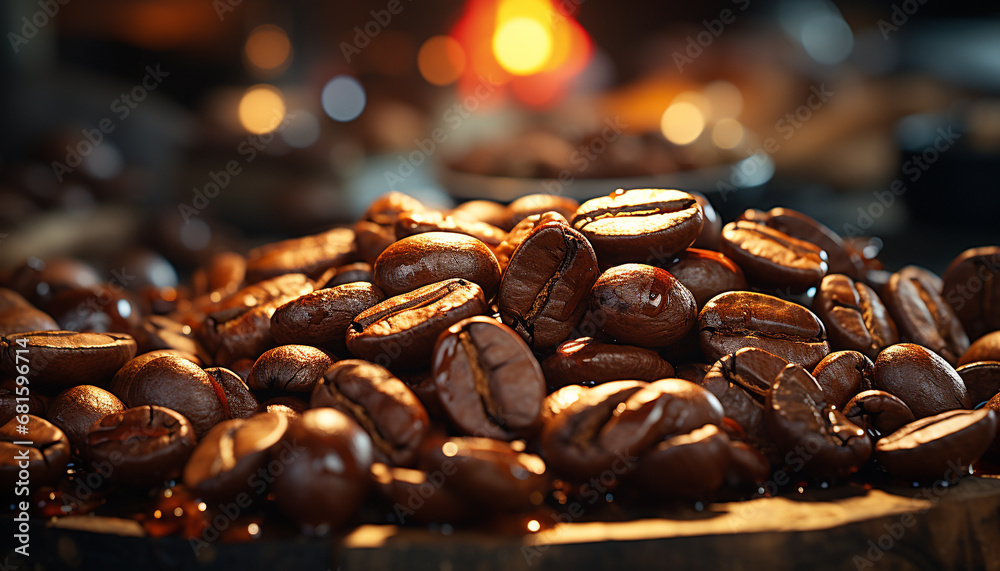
point(441, 60)
point(727, 133)
point(268, 47)
point(682, 123)
point(261, 109)
point(522, 45)
point(534, 526)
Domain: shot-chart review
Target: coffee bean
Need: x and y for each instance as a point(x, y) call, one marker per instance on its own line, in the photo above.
point(47, 454)
point(972, 289)
point(878, 412)
point(77, 408)
point(10, 403)
point(309, 255)
point(644, 305)
point(711, 230)
point(423, 259)
point(694, 372)
point(141, 446)
point(408, 490)
point(939, 447)
point(239, 400)
point(488, 211)
point(921, 379)
point(292, 368)
point(324, 475)
point(639, 225)
point(380, 403)
point(97, 309)
point(981, 379)
point(487, 380)
point(290, 406)
point(522, 230)
point(844, 374)
point(691, 465)
point(224, 273)
point(854, 316)
point(704, 273)
point(545, 284)
point(772, 259)
point(741, 381)
point(586, 361)
point(59, 359)
point(321, 318)
point(798, 225)
point(986, 348)
point(923, 316)
point(350, 273)
point(535, 204)
point(413, 223)
point(400, 332)
point(733, 320)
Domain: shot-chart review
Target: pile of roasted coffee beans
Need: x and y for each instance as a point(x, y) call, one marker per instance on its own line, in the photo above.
point(448, 366)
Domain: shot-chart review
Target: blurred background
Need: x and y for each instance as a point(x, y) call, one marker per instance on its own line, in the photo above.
point(189, 127)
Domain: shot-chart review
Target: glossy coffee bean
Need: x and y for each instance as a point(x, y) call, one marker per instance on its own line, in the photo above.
point(47, 454)
point(844, 374)
point(939, 447)
point(586, 361)
point(921, 379)
point(175, 383)
point(380, 403)
point(923, 316)
point(141, 446)
point(321, 318)
point(691, 465)
point(98, 309)
point(77, 408)
point(224, 273)
point(972, 289)
point(982, 380)
point(309, 255)
point(494, 474)
point(292, 368)
point(772, 259)
point(534, 204)
point(406, 489)
point(430, 257)
point(325, 481)
point(733, 320)
point(643, 305)
point(741, 381)
point(227, 457)
point(400, 332)
point(878, 412)
point(290, 406)
point(854, 316)
point(372, 239)
point(241, 403)
point(986, 348)
point(522, 230)
point(17, 315)
point(488, 381)
point(711, 230)
point(413, 223)
point(704, 273)
point(38, 280)
point(350, 273)
point(11, 402)
point(804, 425)
point(639, 225)
point(161, 332)
point(55, 360)
point(798, 225)
point(694, 372)
point(544, 288)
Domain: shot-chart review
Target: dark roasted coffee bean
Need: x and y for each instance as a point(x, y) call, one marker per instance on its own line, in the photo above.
point(522, 230)
point(772, 259)
point(372, 239)
point(704, 273)
point(224, 273)
point(972, 288)
point(534, 204)
point(694, 372)
point(922, 315)
point(321, 318)
point(400, 332)
point(545, 284)
point(76, 409)
point(18, 315)
point(798, 225)
point(327, 477)
point(97, 309)
point(487, 380)
point(11, 402)
point(386, 208)
point(47, 450)
point(741, 381)
point(586, 361)
point(982, 380)
point(290, 406)
point(986, 348)
point(939, 447)
point(494, 474)
point(844, 374)
point(921, 379)
point(398, 486)
point(60, 359)
point(854, 316)
point(430, 257)
point(175, 383)
point(140, 446)
point(309, 255)
point(380, 403)
point(227, 457)
point(711, 230)
point(161, 332)
point(488, 211)
point(639, 225)
point(643, 305)
point(733, 320)
point(691, 465)
point(239, 399)
point(878, 412)
point(292, 368)
point(39, 280)
point(413, 223)
point(350, 273)
point(803, 424)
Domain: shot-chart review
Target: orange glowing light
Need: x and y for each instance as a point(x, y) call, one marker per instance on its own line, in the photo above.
point(682, 123)
point(441, 60)
point(727, 133)
point(522, 45)
point(261, 109)
point(268, 47)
